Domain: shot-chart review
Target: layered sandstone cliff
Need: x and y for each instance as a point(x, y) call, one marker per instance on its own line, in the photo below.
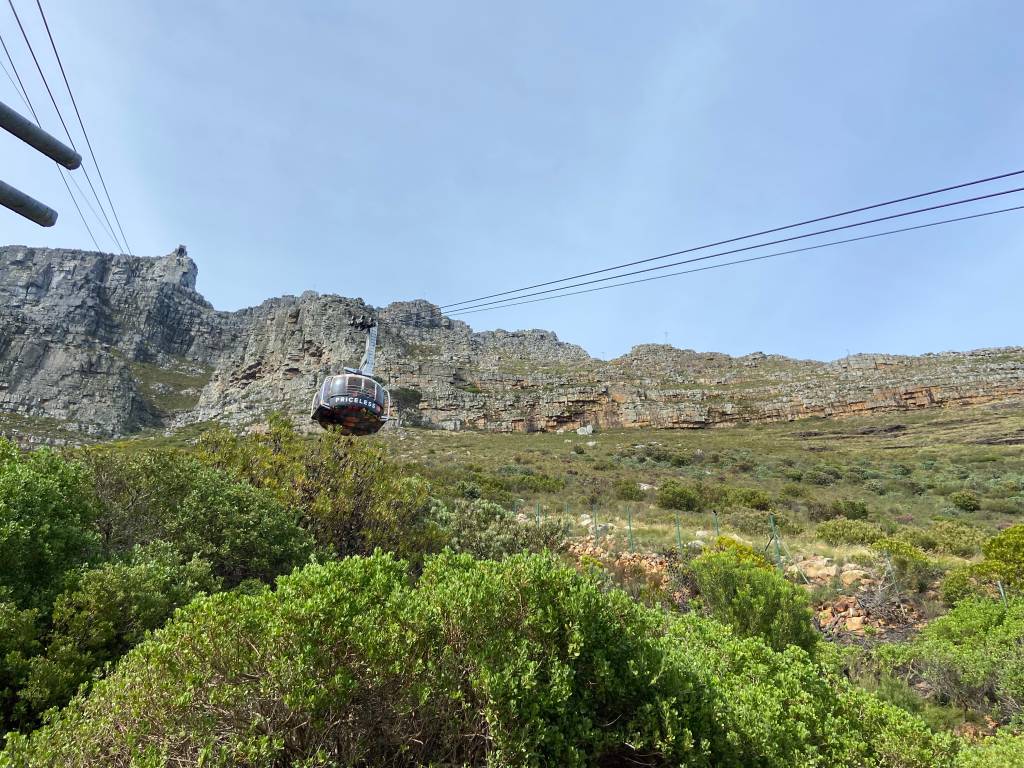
point(100, 345)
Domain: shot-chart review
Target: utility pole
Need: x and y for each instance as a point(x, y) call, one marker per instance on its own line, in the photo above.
point(40, 140)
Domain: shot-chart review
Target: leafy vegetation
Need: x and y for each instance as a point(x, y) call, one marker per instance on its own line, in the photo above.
point(973, 657)
point(439, 669)
point(842, 530)
point(279, 600)
point(740, 589)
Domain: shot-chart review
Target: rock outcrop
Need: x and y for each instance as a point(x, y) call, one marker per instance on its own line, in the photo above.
point(98, 345)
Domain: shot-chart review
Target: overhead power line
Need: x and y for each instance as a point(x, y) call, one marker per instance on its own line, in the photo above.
point(28, 103)
point(742, 261)
point(46, 84)
point(752, 247)
point(85, 133)
point(740, 238)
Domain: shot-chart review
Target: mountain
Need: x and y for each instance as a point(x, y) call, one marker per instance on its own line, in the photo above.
point(96, 345)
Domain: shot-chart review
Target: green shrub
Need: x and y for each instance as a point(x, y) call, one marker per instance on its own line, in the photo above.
point(823, 475)
point(754, 522)
point(524, 662)
point(19, 642)
point(918, 537)
point(955, 538)
point(911, 567)
point(782, 709)
point(842, 531)
point(875, 486)
point(750, 497)
point(1004, 750)
point(1011, 506)
point(47, 512)
point(849, 508)
point(105, 613)
point(972, 657)
point(793, 490)
point(468, 490)
point(443, 672)
point(966, 500)
point(171, 496)
point(753, 600)
point(485, 529)
point(962, 583)
point(1003, 563)
point(349, 496)
point(1004, 556)
point(674, 495)
point(626, 490)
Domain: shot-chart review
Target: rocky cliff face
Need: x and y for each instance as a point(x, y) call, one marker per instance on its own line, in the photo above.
point(98, 345)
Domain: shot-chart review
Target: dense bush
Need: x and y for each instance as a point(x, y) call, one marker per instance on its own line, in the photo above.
point(443, 672)
point(626, 490)
point(963, 582)
point(783, 710)
point(842, 531)
point(823, 475)
point(849, 508)
point(171, 496)
point(911, 568)
point(1003, 750)
point(674, 495)
point(955, 538)
point(972, 657)
point(107, 611)
point(1004, 557)
point(350, 497)
point(656, 454)
point(47, 513)
point(19, 642)
point(488, 530)
point(966, 500)
point(524, 662)
point(754, 522)
point(750, 497)
point(754, 600)
point(1002, 564)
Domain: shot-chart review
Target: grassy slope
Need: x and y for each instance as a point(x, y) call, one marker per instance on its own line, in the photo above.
point(902, 465)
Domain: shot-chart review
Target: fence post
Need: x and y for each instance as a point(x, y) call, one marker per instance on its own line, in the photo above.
point(775, 537)
point(629, 524)
point(593, 518)
point(536, 513)
point(1002, 592)
point(679, 534)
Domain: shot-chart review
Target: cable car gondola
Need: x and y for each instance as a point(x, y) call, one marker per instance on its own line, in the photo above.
point(353, 402)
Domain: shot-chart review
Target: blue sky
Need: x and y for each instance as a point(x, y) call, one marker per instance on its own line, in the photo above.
point(445, 150)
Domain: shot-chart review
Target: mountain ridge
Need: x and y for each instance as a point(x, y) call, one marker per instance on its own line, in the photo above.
point(99, 345)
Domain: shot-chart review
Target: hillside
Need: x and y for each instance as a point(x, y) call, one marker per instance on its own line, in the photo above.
point(497, 589)
point(95, 345)
point(464, 598)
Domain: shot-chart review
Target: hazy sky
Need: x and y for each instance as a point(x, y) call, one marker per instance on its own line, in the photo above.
point(445, 150)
